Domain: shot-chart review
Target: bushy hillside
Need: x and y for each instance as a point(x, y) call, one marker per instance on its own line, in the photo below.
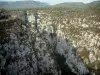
point(22, 4)
point(79, 4)
point(94, 4)
point(51, 41)
point(72, 4)
point(35, 47)
point(31, 4)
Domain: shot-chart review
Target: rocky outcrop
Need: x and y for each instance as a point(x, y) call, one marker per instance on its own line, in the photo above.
point(17, 54)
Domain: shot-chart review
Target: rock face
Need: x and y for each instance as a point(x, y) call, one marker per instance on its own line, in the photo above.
point(37, 48)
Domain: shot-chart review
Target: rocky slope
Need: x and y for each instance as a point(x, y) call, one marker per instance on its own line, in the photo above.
point(37, 47)
point(81, 28)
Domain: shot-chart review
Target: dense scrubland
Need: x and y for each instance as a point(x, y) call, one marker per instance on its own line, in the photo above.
point(64, 40)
